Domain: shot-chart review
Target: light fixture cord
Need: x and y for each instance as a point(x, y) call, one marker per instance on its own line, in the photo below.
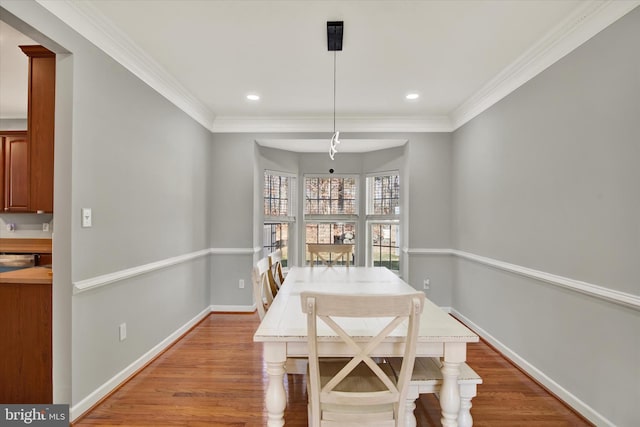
point(334, 91)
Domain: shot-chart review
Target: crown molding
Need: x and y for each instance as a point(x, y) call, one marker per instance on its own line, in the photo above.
point(589, 19)
point(230, 124)
point(84, 18)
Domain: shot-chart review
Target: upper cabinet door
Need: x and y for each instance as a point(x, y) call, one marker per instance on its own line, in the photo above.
point(16, 174)
point(40, 126)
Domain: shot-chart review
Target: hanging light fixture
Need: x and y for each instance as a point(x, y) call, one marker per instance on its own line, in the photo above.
point(334, 44)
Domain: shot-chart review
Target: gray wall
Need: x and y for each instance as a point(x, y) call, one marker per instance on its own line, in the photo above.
point(142, 165)
point(13, 124)
point(429, 214)
point(548, 179)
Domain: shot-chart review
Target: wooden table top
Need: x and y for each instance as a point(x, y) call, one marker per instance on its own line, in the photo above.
point(285, 321)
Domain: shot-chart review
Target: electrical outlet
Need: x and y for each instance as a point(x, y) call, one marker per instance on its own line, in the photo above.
point(122, 329)
point(45, 226)
point(427, 283)
point(241, 283)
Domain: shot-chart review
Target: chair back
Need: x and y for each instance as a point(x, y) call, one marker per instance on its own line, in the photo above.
point(263, 290)
point(275, 265)
point(397, 313)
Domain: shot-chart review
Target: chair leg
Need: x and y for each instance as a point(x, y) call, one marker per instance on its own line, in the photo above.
point(410, 406)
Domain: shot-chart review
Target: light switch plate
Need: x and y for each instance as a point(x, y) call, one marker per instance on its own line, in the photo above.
point(86, 217)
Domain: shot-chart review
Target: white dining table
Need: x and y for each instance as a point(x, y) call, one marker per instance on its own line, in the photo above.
point(283, 331)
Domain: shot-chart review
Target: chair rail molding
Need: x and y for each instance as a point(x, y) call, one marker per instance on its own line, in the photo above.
point(590, 289)
point(109, 278)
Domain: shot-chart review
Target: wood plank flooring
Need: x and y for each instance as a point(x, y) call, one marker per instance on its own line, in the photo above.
point(215, 376)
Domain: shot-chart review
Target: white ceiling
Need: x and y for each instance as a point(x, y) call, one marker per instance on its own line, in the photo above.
point(460, 56)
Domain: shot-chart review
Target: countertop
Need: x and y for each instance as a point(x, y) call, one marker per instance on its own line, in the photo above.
point(29, 276)
point(26, 246)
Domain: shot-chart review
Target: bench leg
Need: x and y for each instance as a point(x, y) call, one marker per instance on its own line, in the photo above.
point(450, 393)
point(467, 392)
point(410, 406)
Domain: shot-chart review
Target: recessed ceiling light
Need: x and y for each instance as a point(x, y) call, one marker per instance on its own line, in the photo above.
point(412, 96)
point(253, 97)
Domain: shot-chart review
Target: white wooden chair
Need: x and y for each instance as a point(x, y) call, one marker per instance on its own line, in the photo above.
point(427, 378)
point(358, 391)
point(264, 291)
point(275, 265)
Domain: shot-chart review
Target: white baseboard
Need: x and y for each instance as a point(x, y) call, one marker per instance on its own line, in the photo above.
point(106, 388)
point(234, 308)
point(571, 400)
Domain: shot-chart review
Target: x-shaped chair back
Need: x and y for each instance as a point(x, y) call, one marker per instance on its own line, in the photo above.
point(399, 311)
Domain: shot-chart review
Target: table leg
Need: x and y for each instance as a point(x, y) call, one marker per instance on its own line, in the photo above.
point(276, 400)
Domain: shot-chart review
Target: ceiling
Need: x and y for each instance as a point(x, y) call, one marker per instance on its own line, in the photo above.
point(459, 56)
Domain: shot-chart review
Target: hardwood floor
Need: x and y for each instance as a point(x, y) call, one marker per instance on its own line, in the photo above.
point(214, 376)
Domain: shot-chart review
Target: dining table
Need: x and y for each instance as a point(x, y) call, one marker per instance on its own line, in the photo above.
point(283, 332)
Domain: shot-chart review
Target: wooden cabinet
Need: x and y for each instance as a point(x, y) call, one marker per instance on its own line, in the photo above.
point(25, 359)
point(14, 171)
point(40, 126)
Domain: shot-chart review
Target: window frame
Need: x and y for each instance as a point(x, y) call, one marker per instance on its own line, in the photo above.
point(386, 219)
point(370, 200)
point(291, 198)
point(353, 216)
point(332, 218)
point(290, 219)
point(370, 258)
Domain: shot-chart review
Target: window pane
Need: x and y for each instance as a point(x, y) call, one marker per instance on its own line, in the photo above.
point(276, 236)
point(330, 196)
point(276, 195)
point(385, 249)
point(384, 194)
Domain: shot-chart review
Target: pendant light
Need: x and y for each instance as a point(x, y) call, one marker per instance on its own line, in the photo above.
point(334, 44)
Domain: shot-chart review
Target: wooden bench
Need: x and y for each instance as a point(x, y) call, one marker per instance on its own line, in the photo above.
point(427, 378)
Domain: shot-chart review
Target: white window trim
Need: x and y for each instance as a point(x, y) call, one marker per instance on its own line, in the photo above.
point(371, 219)
point(291, 197)
point(369, 200)
point(292, 208)
point(369, 242)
